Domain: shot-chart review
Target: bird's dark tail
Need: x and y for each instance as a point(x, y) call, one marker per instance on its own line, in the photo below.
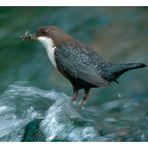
point(115, 70)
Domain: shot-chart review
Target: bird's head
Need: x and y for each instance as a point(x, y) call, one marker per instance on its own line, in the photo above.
point(48, 35)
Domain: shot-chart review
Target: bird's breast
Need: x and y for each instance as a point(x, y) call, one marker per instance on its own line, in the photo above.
point(51, 55)
point(50, 48)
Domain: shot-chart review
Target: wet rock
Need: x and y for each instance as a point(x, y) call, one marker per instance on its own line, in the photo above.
point(31, 114)
point(33, 132)
point(63, 123)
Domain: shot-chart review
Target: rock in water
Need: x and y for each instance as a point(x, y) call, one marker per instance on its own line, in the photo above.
point(63, 123)
point(33, 132)
point(31, 114)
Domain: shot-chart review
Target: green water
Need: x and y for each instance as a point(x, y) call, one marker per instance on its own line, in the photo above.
point(119, 34)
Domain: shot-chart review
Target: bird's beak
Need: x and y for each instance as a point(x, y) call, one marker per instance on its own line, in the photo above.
point(29, 36)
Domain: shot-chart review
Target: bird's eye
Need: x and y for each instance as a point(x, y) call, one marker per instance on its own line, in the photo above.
point(44, 31)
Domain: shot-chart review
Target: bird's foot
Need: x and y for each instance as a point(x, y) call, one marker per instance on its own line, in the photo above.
point(80, 107)
point(82, 103)
point(73, 99)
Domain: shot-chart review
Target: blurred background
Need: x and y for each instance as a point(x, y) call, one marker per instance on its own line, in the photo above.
point(119, 34)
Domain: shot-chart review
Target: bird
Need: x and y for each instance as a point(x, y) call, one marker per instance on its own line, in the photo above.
point(78, 62)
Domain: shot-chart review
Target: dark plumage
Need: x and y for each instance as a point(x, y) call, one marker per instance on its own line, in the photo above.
point(82, 65)
point(86, 69)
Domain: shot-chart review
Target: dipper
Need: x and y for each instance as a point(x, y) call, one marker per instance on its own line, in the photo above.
point(79, 63)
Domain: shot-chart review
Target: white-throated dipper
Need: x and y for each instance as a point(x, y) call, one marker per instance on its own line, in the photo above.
point(80, 64)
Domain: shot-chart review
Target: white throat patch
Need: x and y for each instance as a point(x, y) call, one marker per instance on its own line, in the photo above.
point(48, 44)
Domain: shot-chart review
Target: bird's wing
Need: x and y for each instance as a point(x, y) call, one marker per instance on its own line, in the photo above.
point(77, 63)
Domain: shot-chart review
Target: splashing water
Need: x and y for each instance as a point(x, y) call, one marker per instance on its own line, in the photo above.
point(71, 125)
point(18, 107)
point(21, 104)
point(31, 114)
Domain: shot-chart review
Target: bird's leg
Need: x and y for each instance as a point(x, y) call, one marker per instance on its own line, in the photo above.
point(75, 95)
point(86, 94)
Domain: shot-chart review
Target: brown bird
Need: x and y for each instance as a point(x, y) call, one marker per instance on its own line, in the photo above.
point(80, 64)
